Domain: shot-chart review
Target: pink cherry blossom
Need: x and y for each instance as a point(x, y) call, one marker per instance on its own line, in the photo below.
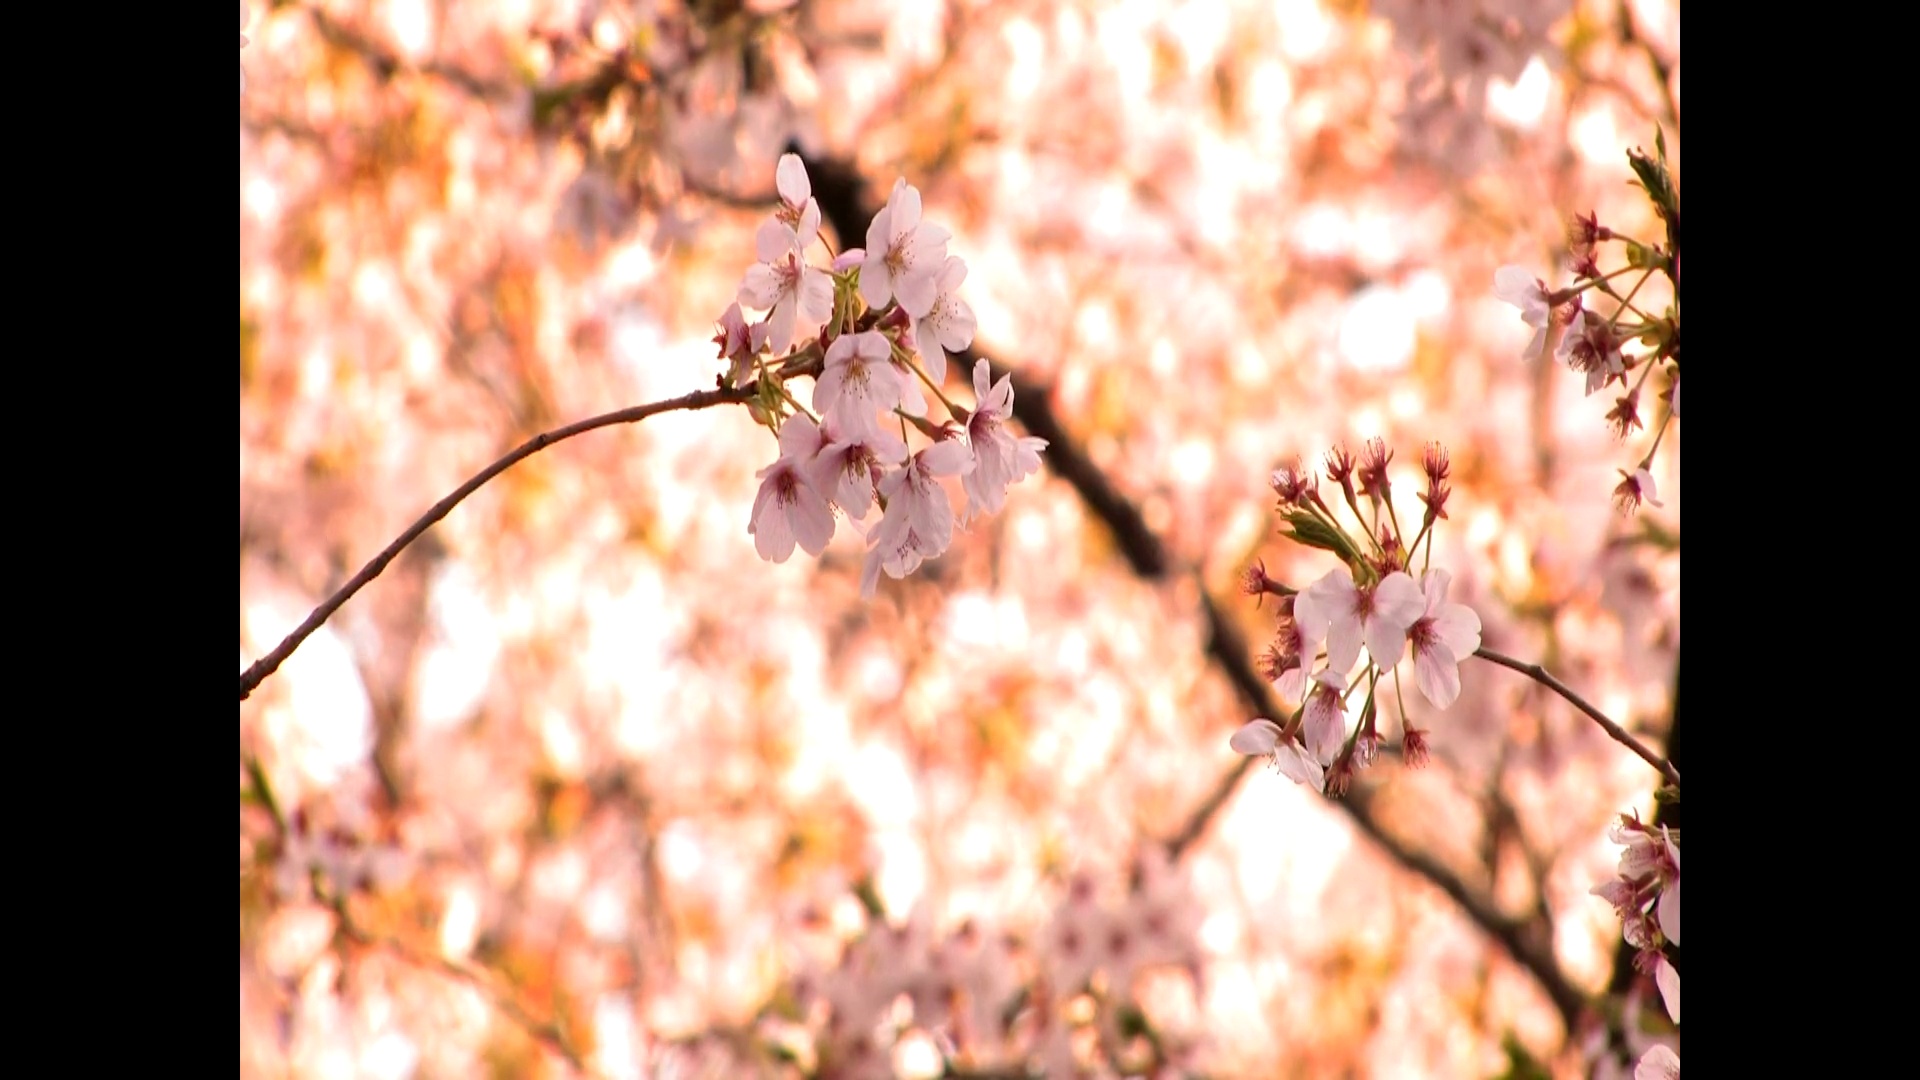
point(1324, 723)
point(739, 344)
point(1516, 286)
point(788, 507)
point(1344, 615)
point(1263, 738)
point(785, 284)
point(849, 467)
point(918, 524)
point(903, 254)
point(948, 326)
point(858, 381)
point(1000, 460)
point(1442, 637)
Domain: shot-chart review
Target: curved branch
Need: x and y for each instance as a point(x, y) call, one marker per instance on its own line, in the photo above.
point(266, 665)
point(1620, 735)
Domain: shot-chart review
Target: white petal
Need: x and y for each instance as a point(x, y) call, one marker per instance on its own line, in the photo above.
point(773, 242)
point(1438, 674)
point(1256, 739)
point(1515, 285)
point(1658, 1063)
point(790, 177)
point(1459, 627)
point(1668, 980)
point(1294, 763)
point(1669, 912)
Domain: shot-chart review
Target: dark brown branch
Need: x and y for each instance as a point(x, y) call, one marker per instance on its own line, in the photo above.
point(1619, 734)
point(847, 202)
point(266, 665)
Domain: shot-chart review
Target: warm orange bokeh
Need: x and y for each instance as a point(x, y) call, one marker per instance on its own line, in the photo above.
point(604, 783)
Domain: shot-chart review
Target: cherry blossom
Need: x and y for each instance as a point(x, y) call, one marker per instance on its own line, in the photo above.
point(1263, 738)
point(918, 524)
point(903, 254)
point(1343, 615)
point(1636, 488)
point(1000, 460)
point(788, 507)
point(1516, 286)
point(849, 467)
point(947, 326)
point(785, 284)
point(739, 344)
point(1324, 722)
point(859, 379)
point(1442, 637)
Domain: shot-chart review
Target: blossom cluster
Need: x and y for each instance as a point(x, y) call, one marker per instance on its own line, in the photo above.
point(888, 315)
point(1589, 343)
point(1646, 895)
point(986, 1001)
point(1373, 601)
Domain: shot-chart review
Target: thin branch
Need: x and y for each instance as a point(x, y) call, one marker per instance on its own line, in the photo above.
point(1619, 734)
point(268, 664)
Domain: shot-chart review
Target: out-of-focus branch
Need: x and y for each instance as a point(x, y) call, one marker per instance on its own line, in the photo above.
point(1619, 734)
point(847, 202)
point(546, 1034)
point(268, 664)
point(387, 63)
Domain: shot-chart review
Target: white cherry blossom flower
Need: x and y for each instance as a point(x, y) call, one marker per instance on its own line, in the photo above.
point(948, 326)
point(903, 254)
point(1344, 615)
point(788, 507)
point(785, 284)
point(1000, 460)
point(858, 380)
point(849, 467)
point(1263, 738)
point(918, 524)
point(1516, 286)
point(1442, 637)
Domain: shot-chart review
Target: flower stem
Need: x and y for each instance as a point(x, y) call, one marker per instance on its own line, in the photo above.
point(1619, 734)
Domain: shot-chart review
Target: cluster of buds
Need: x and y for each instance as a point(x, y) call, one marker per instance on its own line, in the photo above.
point(1371, 601)
point(1590, 343)
point(888, 315)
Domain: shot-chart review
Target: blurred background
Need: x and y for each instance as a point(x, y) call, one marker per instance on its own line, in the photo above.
point(581, 786)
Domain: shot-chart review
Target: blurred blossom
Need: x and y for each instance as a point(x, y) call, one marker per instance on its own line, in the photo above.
point(687, 805)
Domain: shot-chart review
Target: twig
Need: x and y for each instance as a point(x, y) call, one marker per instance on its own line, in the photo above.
point(1619, 734)
point(266, 665)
